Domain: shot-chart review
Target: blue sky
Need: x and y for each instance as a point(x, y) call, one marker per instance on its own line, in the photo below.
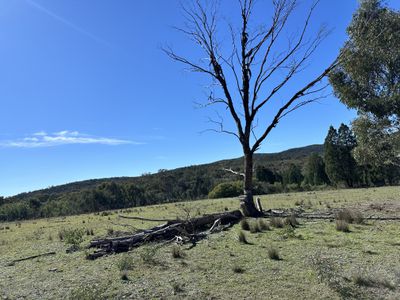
point(86, 91)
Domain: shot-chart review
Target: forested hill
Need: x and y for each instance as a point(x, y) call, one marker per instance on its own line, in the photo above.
point(188, 183)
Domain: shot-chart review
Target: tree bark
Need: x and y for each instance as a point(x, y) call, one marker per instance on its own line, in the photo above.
point(247, 202)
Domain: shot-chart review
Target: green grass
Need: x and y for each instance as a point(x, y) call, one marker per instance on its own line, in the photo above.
point(219, 266)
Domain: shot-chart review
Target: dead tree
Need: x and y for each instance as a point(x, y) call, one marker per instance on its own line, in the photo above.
point(253, 73)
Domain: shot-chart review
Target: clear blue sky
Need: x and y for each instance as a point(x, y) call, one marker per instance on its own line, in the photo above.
point(87, 93)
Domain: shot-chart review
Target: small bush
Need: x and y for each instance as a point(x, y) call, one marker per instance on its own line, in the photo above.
point(177, 252)
point(245, 225)
point(276, 222)
point(242, 237)
point(71, 236)
point(226, 189)
point(273, 253)
point(342, 225)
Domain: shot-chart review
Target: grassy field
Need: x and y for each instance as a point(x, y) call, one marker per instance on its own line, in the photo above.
point(312, 261)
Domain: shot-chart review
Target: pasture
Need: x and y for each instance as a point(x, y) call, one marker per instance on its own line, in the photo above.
point(311, 261)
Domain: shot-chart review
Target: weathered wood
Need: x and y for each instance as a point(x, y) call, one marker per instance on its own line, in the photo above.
point(258, 204)
point(192, 229)
point(145, 219)
point(30, 257)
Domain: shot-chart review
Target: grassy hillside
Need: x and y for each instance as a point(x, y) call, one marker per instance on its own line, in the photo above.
point(189, 183)
point(316, 261)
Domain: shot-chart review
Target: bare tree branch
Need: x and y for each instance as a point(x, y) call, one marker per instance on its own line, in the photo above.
point(234, 172)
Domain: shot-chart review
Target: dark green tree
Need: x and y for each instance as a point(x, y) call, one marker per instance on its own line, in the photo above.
point(264, 174)
point(331, 155)
point(367, 78)
point(340, 166)
point(368, 75)
point(292, 175)
point(315, 170)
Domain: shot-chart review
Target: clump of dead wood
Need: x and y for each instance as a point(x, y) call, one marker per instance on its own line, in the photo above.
point(180, 231)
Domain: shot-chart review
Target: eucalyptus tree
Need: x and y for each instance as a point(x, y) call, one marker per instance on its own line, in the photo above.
point(367, 78)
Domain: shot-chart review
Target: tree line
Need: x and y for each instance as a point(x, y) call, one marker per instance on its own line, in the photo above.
point(336, 166)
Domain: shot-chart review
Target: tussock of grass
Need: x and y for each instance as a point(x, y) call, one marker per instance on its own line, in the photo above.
point(276, 222)
point(177, 252)
point(254, 227)
point(238, 269)
point(124, 275)
point(291, 220)
point(242, 237)
point(263, 225)
point(350, 216)
point(125, 263)
point(273, 253)
point(342, 225)
point(245, 224)
point(369, 281)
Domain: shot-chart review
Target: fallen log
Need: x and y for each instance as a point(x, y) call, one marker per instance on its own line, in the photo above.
point(191, 229)
point(30, 257)
point(144, 219)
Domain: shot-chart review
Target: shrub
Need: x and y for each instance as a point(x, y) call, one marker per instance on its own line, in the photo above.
point(226, 189)
point(276, 222)
point(245, 225)
point(273, 253)
point(72, 236)
point(342, 225)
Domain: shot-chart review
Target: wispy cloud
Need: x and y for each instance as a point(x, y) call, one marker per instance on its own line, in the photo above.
point(66, 137)
point(66, 22)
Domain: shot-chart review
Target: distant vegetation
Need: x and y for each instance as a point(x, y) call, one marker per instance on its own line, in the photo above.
point(292, 170)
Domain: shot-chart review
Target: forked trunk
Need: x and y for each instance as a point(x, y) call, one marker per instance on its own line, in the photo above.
point(247, 203)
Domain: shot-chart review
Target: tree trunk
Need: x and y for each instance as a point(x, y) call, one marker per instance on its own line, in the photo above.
point(247, 202)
